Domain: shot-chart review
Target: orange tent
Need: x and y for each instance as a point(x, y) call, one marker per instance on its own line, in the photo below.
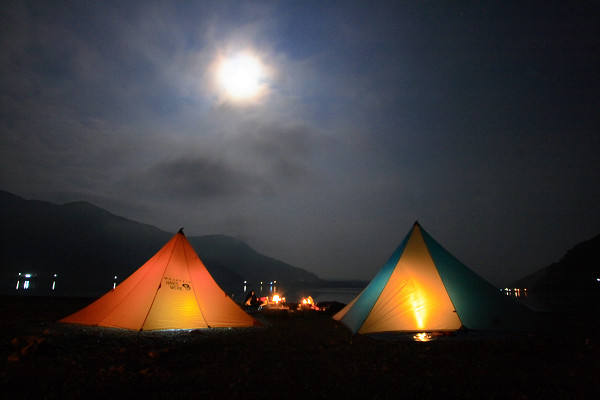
point(172, 290)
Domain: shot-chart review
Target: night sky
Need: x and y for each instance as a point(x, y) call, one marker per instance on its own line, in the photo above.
point(478, 119)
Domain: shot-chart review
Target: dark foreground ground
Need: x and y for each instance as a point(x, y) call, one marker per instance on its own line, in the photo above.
point(295, 355)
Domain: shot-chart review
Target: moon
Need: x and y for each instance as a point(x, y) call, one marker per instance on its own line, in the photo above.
point(241, 76)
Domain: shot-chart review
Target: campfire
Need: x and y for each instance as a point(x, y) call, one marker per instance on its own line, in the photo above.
point(276, 301)
point(307, 303)
point(422, 337)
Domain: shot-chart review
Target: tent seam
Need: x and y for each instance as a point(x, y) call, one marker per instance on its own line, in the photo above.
point(159, 286)
point(195, 296)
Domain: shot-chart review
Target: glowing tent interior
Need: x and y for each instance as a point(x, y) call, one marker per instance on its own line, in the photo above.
point(172, 290)
point(424, 288)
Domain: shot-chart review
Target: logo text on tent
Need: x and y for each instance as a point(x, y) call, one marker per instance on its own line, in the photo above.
point(177, 284)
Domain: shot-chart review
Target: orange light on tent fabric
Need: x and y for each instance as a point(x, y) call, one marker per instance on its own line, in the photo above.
point(172, 290)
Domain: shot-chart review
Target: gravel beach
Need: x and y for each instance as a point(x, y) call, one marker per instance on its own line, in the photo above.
point(294, 355)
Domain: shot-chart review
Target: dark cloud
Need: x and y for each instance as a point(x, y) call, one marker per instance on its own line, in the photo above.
point(283, 150)
point(263, 160)
point(196, 177)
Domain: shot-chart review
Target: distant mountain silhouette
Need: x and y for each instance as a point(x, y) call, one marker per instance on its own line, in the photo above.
point(247, 262)
point(86, 247)
point(572, 283)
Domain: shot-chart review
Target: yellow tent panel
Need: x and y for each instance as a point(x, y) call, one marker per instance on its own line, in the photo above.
point(414, 298)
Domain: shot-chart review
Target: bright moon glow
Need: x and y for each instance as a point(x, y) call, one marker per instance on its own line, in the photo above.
point(241, 76)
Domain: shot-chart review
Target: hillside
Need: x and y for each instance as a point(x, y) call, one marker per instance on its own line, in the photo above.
point(250, 265)
point(86, 246)
point(572, 282)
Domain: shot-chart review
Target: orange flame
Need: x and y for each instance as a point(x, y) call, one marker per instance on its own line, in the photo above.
point(307, 303)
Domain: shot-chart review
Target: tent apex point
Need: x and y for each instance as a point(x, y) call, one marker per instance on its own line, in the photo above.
point(180, 231)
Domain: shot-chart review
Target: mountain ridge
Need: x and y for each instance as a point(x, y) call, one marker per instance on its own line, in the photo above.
point(86, 246)
point(572, 283)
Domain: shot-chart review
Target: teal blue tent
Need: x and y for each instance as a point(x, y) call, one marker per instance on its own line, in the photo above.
point(424, 288)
